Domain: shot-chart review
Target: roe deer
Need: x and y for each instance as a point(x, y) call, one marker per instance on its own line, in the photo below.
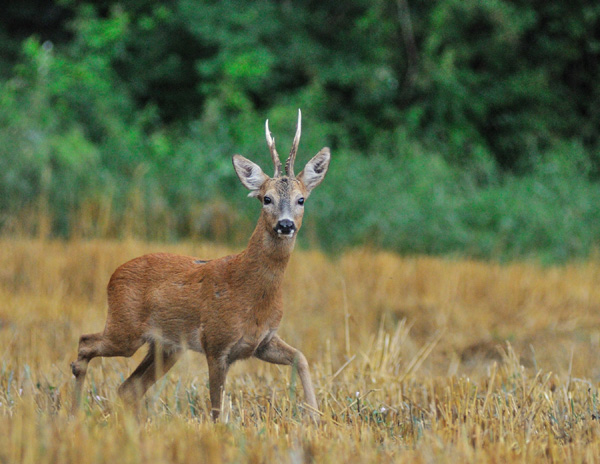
point(227, 308)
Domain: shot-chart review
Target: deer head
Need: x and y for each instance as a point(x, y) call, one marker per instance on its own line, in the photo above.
point(282, 196)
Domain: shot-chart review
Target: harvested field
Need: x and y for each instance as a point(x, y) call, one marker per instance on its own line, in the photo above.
point(414, 359)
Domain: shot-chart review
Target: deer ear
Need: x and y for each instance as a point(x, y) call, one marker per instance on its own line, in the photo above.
point(250, 174)
point(315, 170)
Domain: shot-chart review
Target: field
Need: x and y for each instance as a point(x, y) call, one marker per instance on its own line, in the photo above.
point(414, 359)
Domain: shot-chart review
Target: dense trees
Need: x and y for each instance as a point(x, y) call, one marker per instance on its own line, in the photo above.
point(110, 98)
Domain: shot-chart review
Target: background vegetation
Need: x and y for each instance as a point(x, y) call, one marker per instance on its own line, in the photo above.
point(456, 126)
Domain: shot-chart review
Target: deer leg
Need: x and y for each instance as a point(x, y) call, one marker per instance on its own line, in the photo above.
point(148, 372)
point(277, 351)
point(217, 372)
point(92, 346)
point(88, 349)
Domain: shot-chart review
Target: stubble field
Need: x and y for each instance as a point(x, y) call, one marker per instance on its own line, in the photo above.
point(414, 359)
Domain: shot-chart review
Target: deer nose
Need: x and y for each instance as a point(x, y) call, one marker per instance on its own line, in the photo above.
point(285, 227)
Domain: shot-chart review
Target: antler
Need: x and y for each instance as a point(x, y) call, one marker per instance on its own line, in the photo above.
point(274, 154)
point(289, 164)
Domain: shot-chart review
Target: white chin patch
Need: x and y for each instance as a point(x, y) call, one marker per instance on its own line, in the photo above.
point(282, 235)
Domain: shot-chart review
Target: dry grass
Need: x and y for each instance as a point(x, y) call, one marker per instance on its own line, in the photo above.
point(414, 360)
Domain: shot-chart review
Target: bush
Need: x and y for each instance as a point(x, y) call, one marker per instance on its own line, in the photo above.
point(482, 140)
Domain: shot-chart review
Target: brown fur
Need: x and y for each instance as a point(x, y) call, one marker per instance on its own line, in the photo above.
point(227, 308)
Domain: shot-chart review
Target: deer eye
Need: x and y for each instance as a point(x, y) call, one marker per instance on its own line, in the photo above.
point(301, 200)
point(267, 200)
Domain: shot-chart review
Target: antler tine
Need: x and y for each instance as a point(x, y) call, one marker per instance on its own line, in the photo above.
point(289, 164)
point(274, 154)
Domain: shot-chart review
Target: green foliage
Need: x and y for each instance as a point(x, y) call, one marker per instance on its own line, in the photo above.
point(464, 128)
point(428, 206)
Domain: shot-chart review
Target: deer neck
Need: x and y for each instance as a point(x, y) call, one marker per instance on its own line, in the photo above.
point(266, 257)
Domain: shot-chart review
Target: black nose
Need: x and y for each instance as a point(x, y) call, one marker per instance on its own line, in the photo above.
point(285, 226)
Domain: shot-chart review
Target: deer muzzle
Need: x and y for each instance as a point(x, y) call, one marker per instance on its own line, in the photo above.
point(285, 227)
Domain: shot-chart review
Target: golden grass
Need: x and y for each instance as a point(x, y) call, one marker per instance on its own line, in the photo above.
point(414, 360)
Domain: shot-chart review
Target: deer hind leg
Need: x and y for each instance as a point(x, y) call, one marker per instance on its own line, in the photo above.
point(148, 372)
point(92, 346)
point(277, 351)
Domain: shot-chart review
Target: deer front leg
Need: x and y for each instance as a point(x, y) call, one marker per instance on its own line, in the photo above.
point(217, 372)
point(277, 351)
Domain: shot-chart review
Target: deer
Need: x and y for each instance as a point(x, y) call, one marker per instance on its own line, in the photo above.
point(229, 308)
